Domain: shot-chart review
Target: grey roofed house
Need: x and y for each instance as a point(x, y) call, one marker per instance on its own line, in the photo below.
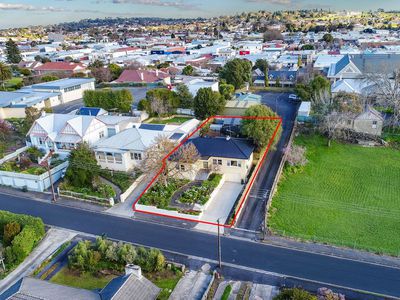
point(24, 98)
point(34, 289)
point(132, 286)
point(357, 65)
point(223, 147)
point(61, 84)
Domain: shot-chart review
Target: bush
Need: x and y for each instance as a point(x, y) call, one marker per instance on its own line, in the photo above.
point(10, 231)
point(23, 243)
point(24, 220)
point(120, 100)
point(34, 153)
point(294, 294)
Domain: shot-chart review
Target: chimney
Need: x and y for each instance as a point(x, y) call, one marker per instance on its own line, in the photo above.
point(141, 76)
point(133, 269)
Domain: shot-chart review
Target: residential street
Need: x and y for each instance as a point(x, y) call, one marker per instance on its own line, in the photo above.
point(240, 252)
point(253, 213)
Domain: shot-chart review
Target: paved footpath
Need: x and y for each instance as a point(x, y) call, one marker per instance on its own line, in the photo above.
point(53, 239)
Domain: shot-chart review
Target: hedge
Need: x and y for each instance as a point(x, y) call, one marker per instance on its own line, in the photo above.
point(24, 220)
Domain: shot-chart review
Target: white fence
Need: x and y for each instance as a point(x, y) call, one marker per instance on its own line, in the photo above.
point(12, 155)
point(126, 194)
point(36, 183)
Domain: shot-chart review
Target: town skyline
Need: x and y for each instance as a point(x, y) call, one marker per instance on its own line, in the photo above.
point(35, 12)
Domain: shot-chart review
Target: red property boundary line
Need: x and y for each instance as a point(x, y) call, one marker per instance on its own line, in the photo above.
point(249, 186)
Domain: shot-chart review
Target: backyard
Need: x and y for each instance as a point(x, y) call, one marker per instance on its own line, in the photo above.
point(346, 195)
point(174, 120)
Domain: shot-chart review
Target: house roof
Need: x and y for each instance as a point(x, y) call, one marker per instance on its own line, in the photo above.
point(62, 83)
point(59, 66)
point(149, 76)
point(91, 111)
point(130, 287)
point(23, 98)
point(223, 147)
point(34, 289)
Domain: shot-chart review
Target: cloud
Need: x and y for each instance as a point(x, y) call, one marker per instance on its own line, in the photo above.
point(162, 3)
point(273, 2)
point(27, 7)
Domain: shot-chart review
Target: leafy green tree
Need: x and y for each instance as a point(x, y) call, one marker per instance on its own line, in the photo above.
point(208, 103)
point(119, 100)
point(25, 72)
point(5, 74)
point(23, 243)
point(163, 65)
point(96, 64)
point(188, 70)
point(31, 115)
point(261, 64)
point(48, 78)
point(237, 72)
point(308, 47)
point(115, 71)
point(126, 253)
point(261, 131)
point(160, 102)
point(294, 294)
point(328, 38)
point(184, 95)
point(10, 231)
point(12, 52)
point(226, 90)
point(83, 168)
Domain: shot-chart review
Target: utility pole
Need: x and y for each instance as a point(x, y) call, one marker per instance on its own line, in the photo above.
point(219, 247)
point(47, 165)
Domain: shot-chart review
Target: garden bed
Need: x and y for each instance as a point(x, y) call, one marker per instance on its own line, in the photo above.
point(102, 190)
point(121, 179)
point(201, 194)
point(159, 195)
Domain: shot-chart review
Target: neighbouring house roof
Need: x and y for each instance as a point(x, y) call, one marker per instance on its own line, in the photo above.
point(148, 76)
point(130, 287)
point(60, 66)
point(24, 98)
point(358, 86)
point(223, 147)
point(370, 113)
point(61, 83)
point(91, 111)
point(34, 289)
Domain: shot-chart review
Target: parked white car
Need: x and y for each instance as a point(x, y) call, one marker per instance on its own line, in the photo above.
point(293, 97)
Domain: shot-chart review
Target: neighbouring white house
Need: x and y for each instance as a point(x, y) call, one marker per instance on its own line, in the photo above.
point(124, 151)
point(354, 86)
point(63, 132)
point(232, 157)
point(13, 104)
point(196, 84)
point(69, 89)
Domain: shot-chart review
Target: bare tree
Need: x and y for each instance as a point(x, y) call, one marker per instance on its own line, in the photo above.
point(386, 89)
point(157, 105)
point(154, 155)
point(186, 156)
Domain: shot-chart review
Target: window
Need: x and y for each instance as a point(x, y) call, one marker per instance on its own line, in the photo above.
point(232, 163)
point(136, 156)
point(101, 134)
point(348, 122)
point(217, 162)
point(374, 124)
point(182, 167)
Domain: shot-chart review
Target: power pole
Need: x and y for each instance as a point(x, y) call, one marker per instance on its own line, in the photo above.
point(219, 247)
point(47, 165)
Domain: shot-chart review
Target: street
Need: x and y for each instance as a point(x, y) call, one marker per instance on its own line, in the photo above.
point(348, 273)
point(253, 213)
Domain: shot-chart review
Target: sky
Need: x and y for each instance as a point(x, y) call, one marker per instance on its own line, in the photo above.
point(20, 13)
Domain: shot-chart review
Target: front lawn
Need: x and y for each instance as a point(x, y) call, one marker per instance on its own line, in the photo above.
point(84, 280)
point(347, 195)
point(174, 120)
point(166, 280)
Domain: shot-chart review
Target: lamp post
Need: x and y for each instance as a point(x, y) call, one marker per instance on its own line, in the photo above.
point(219, 246)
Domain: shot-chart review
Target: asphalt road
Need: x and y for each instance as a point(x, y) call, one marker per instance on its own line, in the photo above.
point(253, 213)
point(241, 252)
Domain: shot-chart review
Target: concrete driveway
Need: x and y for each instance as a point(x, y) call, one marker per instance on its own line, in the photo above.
point(221, 206)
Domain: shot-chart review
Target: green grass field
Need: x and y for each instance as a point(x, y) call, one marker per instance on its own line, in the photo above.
point(347, 195)
point(84, 280)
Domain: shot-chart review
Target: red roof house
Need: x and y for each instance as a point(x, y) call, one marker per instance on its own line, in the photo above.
point(144, 76)
point(68, 68)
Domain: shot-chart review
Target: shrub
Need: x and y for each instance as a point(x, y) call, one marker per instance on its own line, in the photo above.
point(34, 153)
point(10, 231)
point(23, 243)
point(24, 220)
point(294, 294)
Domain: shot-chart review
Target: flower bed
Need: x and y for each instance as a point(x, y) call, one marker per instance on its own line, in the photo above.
point(101, 191)
point(201, 194)
point(159, 195)
point(121, 179)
